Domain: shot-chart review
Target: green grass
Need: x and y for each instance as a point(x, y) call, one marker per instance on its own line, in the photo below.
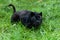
point(49, 30)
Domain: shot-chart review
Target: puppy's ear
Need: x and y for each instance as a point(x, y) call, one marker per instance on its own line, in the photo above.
point(32, 14)
point(40, 13)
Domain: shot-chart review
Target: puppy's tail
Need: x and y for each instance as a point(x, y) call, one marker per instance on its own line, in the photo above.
point(14, 10)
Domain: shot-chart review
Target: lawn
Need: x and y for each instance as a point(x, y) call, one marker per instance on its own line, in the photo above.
point(48, 30)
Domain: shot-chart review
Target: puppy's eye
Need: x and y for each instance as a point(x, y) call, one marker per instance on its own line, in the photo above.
point(38, 17)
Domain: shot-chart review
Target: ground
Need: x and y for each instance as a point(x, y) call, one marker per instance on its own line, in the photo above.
point(48, 30)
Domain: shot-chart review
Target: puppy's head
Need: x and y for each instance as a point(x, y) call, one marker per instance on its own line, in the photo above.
point(36, 19)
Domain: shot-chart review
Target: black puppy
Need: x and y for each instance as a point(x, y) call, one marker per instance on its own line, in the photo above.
point(28, 18)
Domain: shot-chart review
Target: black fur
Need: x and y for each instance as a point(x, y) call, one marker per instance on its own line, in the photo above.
point(28, 18)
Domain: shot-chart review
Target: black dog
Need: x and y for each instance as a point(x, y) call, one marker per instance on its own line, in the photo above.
point(28, 18)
